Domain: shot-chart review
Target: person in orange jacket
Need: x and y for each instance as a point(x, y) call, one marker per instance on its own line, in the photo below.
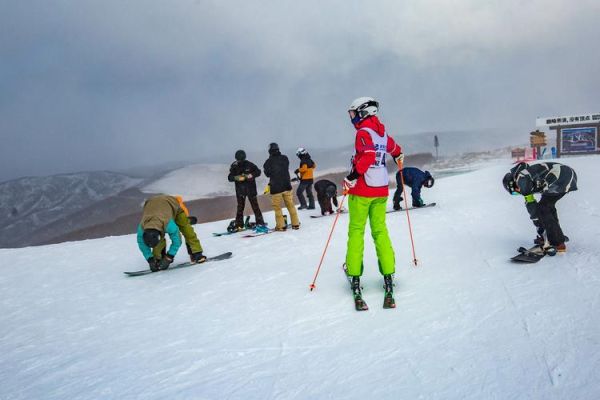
point(306, 176)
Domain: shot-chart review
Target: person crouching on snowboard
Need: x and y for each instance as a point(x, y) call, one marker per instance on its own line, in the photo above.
point(164, 215)
point(553, 181)
point(326, 195)
point(416, 179)
point(243, 173)
point(305, 174)
point(367, 186)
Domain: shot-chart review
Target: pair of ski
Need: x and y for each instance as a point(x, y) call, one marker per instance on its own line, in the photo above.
point(360, 304)
point(220, 257)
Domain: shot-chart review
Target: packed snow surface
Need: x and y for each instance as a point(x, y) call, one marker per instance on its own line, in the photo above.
point(468, 324)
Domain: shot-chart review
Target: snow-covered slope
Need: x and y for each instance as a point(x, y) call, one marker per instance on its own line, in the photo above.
point(468, 324)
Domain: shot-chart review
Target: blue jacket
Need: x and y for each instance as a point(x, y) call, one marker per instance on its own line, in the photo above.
point(172, 230)
point(414, 178)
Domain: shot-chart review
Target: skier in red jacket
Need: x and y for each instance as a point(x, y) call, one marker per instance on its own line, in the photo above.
point(367, 186)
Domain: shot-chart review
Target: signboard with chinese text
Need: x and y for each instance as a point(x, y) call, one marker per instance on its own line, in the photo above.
point(578, 140)
point(593, 118)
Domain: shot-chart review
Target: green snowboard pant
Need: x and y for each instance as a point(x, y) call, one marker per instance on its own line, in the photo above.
point(374, 209)
point(191, 240)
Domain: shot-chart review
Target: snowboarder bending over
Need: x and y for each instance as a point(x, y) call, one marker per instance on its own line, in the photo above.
point(416, 179)
point(276, 168)
point(166, 215)
point(305, 175)
point(326, 195)
point(553, 181)
point(243, 173)
point(367, 186)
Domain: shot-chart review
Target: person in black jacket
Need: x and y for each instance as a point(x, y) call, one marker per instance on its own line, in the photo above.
point(280, 186)
point(552, 180)
point(326, 194)
point(416, 179)
point(243, 173)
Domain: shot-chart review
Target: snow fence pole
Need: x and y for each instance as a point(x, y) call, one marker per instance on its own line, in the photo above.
point(412, 241)
point(312, 285)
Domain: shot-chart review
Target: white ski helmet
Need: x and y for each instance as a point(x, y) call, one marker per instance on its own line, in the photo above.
point(362, 108)
point(301, 151)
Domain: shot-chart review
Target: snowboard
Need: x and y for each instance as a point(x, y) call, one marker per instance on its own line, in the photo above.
point(334, 213)
point(255, 234)
point(411, 208)
point(247, 227)
point(230, 233)
point(529, 256)
point(223, 256)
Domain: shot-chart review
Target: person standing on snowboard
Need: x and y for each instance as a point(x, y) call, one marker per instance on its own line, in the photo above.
point(276, 168)
point(305, 175)
point(367, 187)
point(244, 173)
point(552, 180)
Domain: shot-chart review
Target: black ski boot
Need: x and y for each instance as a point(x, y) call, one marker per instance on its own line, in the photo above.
point(388, 286)
point(359, 303)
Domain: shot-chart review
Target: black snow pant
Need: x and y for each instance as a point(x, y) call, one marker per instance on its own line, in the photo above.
point(325, 203)
point(398, 196)
point(241, 202)
point(306, 186)
point(546, 212)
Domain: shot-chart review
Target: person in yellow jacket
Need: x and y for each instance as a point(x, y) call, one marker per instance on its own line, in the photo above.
point(305, 175)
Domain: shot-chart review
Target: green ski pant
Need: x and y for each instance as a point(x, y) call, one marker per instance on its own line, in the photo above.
point(191, 240)
point(374, 209)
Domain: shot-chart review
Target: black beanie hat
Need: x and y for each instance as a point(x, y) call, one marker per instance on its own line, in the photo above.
point(151, 237)
point(240, 155)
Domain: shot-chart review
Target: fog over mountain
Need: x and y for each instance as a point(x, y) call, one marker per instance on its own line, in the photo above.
point(113, 85)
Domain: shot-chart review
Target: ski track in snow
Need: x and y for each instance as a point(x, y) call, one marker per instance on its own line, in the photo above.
point(468, 324)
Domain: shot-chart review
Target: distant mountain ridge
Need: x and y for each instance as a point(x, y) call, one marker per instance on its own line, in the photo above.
point(27, 204)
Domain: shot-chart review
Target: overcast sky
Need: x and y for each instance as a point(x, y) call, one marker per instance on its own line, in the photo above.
point(109, 84)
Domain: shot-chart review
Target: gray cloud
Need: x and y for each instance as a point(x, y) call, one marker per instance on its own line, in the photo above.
point(111, 84)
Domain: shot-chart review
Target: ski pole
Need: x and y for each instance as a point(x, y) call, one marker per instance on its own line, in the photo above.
point(412, 242)
point(312, 285)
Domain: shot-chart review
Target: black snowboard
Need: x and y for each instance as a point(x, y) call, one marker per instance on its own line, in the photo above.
point(529, 256)
point(334, 213)
point(412, 208)
point(223, 256)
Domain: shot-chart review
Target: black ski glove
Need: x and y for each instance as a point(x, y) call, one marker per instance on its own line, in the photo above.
point(166, 261)
point(153, 264)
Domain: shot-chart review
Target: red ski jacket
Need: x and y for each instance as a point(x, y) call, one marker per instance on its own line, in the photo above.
point(365, 156)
